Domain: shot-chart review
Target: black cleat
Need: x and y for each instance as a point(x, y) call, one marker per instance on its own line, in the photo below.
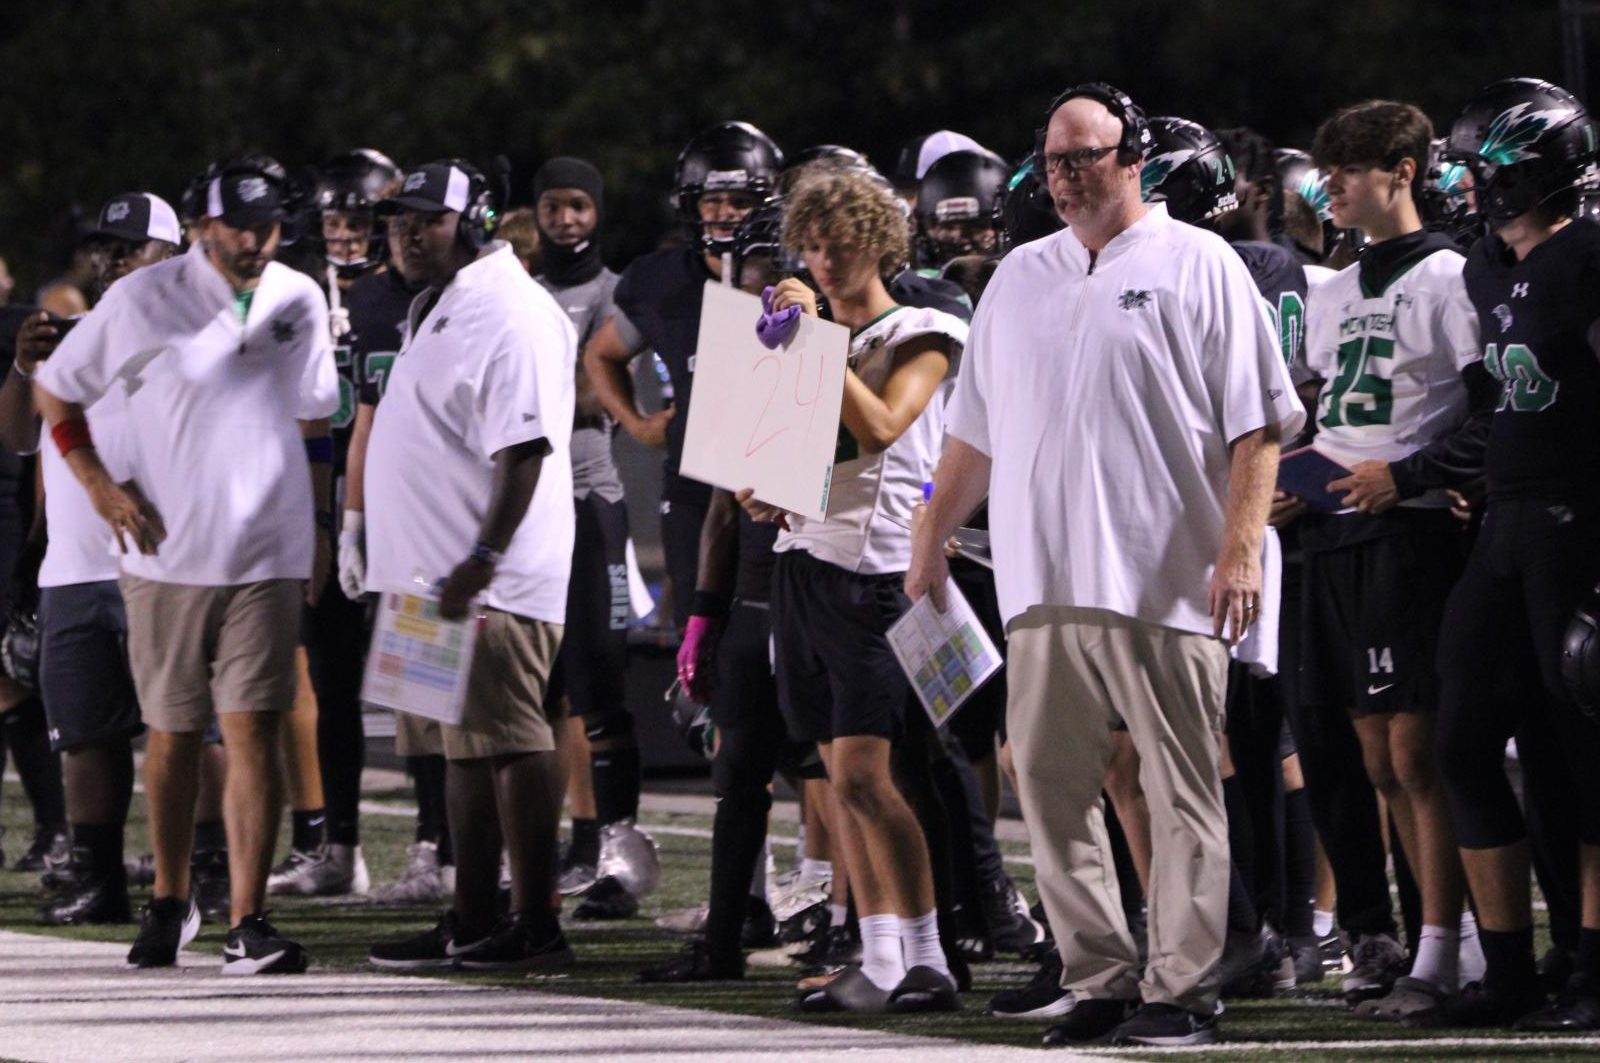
point(93, 898)
point(607, 899)
point(1575, 1010)
point(694, 964)
point(255, 947)
point(213, 892)
point(1377, 962)
point(1090, 1020)
point(50, 850)
point(166, 925)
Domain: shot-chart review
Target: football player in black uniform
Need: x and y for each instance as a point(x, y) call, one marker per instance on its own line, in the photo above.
point(323, 737)
point(1535, 283)
point(724, 173)
point(957, 211)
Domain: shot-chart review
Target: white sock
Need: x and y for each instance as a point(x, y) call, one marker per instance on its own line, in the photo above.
point(1438, 956)
point(838, 913)
point(758, 881)
point(800, 840)
point(919, 941)
point(881, 958)
point(815, 870)
point(1321, 923)
point(1471, 953)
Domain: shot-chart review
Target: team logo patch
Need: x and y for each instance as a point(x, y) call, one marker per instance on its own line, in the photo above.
point(1158, 168)
point(1313, 188)
point(1512, 133)
point(957, 208)
point(1502, 313)
point(439, 325)
point(1133, 298)
point(415, 181)
point(117, 211)
point(252, 188)
point(283, 331)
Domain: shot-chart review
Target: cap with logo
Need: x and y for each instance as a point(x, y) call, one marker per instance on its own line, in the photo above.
point(432, 189)
point(137, 217)
point(243, 198)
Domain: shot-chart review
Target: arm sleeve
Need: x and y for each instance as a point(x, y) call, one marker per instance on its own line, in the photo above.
point(1245, 367)
point(319, 378)
point(966, 415)
point(1459, 456)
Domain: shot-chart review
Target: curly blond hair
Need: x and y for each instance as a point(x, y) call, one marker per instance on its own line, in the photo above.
point(850, 208)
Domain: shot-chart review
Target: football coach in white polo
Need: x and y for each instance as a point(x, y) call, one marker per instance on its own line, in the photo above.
point(1121, 403)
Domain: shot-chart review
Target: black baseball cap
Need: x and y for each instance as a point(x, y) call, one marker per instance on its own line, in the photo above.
point(242, 198)
point(431, 189)
point(138, 217)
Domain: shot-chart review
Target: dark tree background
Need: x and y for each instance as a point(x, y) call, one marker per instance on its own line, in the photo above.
point(105, 96)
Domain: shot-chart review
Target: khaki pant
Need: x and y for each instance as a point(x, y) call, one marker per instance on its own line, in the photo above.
point(1072, 673)
point(506, 708)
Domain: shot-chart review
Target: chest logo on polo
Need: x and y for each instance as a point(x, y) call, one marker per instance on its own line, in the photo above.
point(283, 331)
point(439, 325)
point(1133, 298)
point(1502, 314)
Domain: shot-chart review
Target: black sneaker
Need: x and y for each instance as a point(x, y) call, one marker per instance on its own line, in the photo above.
point(437, 947)
point(1377, 962)
point(1165, 1026)
point(694, 964)
point(166, 925)
point(1306, 953)
point(760, 929)
point(1041, 998)
point(213, 891)
point(50, 848)
point(1555, 968)
point(1089, 1020)
point(1012, 927)
point(255, 947)
point(835, 947)
point(1481, 1004)
point(1252, 965)
point(1575, 1010)
point(521, 942)
point(607, 899)
point(92, 898)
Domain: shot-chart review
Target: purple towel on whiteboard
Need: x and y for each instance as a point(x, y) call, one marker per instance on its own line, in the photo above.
point(774, 329)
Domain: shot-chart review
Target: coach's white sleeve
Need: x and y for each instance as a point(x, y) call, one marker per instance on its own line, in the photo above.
point(1250, 384)
point(319, 379)
point(966, 415)
point(86, 362)
point(510, 401)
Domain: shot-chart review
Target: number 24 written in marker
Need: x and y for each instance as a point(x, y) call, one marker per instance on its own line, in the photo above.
point(752, 446)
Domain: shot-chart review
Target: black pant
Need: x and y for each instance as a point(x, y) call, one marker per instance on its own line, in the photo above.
point(335, 632)
point(680, 546)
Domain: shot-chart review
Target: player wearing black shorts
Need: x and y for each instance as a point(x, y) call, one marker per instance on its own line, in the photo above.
point(1535, 284)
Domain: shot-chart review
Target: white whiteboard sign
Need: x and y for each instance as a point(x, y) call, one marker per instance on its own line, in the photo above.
point(767, 420)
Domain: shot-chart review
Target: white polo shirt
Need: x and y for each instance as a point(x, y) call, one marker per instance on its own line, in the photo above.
point(80, 547)
point(1107, 397)
point(212, 410)
point(490, 366)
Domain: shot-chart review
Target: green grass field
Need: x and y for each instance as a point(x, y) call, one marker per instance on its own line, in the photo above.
point(338, 935)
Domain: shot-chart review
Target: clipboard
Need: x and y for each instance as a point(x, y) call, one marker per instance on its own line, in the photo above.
point(1306, 474)
point(419, 662)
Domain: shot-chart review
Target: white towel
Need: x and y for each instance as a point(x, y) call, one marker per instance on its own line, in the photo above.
point(1259, 647)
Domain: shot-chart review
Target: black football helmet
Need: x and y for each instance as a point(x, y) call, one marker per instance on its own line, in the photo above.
point(1448, 203)
point(1525, 141)
point(1188, 169)
point(1026, 212)
point(1298, 174)
point(820, 156)
point(353, 183)
point(728, 157)
point(958, 207)
point(760, 235)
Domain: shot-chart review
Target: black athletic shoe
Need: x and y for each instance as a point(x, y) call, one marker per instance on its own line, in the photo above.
point(255, 947)
point(50, 849)
point(1252, 965)
point(1377, 961)
point(94, 898)
point(760, 929)
point(835, 947)
point(437, 947)
point(166, 925)
point(1041, 998)
point(1012, 928)
point(1556, 966)
point(1090, 1020)
point(1306, 952)
point(208, 873)
point(1480, 1004)
point(1165, 1026)
point(607, 899)
point(1575, 1010)
point(521, 942)
point(694, 964)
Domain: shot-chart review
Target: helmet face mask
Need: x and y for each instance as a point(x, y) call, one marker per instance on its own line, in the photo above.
point(959, 202)
point(734, 158)
point(350, 186)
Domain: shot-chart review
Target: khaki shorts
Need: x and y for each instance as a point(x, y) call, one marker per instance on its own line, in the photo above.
point(505, 712)
point(196, 651)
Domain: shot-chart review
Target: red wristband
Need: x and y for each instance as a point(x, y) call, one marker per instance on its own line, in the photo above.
point(71, 434)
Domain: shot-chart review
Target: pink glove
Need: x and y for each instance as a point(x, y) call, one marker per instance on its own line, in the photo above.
point(774, 329)
point(698, 648)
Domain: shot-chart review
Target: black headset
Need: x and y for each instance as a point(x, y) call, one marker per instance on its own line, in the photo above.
point(1135, 140)
point(478, 218)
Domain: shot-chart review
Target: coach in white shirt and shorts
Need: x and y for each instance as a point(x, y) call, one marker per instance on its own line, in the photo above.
point(1121, 404)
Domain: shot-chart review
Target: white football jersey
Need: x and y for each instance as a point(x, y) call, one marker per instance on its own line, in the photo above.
point(1391, 360)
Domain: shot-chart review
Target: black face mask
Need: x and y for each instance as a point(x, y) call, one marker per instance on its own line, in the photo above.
point(566, 267)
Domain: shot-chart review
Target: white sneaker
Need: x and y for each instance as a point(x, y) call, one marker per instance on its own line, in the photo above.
point(350, 856)
point(424, 882)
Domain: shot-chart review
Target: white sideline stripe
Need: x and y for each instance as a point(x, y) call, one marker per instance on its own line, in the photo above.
point(77, 1002)
point(1554, 1042)
point(379, 808)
